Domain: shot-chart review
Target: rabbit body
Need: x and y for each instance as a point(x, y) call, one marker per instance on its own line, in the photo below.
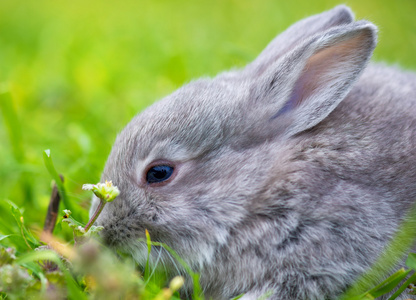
point(290, 175)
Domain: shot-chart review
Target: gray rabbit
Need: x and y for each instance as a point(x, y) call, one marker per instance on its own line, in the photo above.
point(288, 176)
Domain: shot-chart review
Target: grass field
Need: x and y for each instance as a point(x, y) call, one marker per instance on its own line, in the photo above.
point(73, 73)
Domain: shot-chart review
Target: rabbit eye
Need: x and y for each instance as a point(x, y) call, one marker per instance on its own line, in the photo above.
point(159, 173)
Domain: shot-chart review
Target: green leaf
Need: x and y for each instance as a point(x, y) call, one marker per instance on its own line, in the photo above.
point(58, 228)
point(403, 287)
point(7, 220)
point(16, 240)
point(2, 237)
point(47, 158)
point(411, 261)
point(389, 284)
point(70, 220)
point(401, 242)
point(27, 236)
point(76, 226)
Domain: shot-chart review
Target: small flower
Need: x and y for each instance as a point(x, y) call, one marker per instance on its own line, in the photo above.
point(105, 191)
point(88, 187)
point(67, 213)
point(80, 230)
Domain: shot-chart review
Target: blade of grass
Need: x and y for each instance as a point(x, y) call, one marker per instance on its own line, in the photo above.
point(195, 276)
point(266, 295)
point(29, 239)
point(401, 242)
point(389, 284)
point(37, 270)
point(403, 287)
point(149, 249)
point(2, 237)
point(411, 261)
point(387, 280)
point(12, 123)
point(15, 136)
point(47, 158)
point(16, 240)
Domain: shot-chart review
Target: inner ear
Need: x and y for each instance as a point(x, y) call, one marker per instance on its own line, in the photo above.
point(322, 69)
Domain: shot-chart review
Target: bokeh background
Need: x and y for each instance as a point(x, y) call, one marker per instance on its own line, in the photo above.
point(73, 73)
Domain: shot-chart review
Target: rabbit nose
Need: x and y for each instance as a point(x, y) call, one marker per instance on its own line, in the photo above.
point(115, 232)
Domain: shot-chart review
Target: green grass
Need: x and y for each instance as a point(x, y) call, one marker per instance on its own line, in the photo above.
point(73, 73)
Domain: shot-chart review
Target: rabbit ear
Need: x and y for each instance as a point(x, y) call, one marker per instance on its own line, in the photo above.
point(308, 83)
point(298, 32)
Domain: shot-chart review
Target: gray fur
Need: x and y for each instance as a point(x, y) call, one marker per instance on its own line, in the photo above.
point(292, 173)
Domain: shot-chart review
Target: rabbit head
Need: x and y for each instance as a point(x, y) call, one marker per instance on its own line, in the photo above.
point(214, 170)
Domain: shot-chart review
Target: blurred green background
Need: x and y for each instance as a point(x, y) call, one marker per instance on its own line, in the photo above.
point(73, 73)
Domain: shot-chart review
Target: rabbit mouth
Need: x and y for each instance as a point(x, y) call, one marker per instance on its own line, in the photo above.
point(166, 259)
point(168, 252)
point(115, 236)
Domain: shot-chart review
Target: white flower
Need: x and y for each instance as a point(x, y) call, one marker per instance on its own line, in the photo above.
point(88, 187)
point(105, 191)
